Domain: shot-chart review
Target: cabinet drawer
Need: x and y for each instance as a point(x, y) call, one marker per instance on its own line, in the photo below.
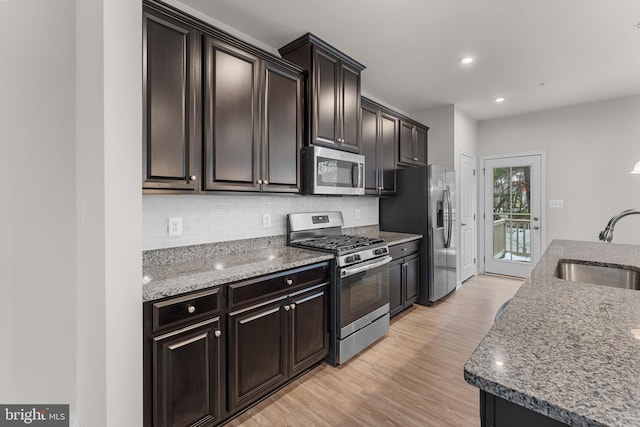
point(175, 311)
point(403, 249)
point(268, 286)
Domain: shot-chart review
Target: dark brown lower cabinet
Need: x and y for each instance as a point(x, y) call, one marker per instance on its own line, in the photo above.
point(498, 412)
point(210, 354)
point(257, 352)
point(404, 276)
point(273, 341)
point(186, 369)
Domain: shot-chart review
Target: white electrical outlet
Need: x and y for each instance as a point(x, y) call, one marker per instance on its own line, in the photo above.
point(175, 226)
point(266, 220)
point(556, 203)
point(357, 213)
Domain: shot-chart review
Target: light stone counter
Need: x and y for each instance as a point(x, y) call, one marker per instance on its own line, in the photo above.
point(566, 349)
point(174, 271)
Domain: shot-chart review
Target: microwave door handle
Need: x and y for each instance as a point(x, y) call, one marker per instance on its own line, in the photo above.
point(356, 175)
point(360, 175)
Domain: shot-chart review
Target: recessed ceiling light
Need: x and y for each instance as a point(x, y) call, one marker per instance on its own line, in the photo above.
point(499, 99)
point(467, 60)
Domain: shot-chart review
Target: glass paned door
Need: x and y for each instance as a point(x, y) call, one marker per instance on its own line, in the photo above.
point(512, 214)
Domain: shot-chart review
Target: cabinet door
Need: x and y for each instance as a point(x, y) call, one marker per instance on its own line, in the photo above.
point(257, 360)
point(324, 129)
point(369, 144)
point(282, 129)
point(395, 286)
point(411, 279)
point(421, 145)
point(309, 327)
point(388, 148)
point(406, 142)
point(186, 372)
point(349, 116)
point(231, 118)
point(171, 87)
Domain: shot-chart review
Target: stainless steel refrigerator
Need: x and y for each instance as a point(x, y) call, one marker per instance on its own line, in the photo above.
point(425, 204)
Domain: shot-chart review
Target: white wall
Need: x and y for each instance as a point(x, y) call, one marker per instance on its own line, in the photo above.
point(441, 139)
point(590, 150)
point(37, 211)
point(220, 217)
point(109, 124)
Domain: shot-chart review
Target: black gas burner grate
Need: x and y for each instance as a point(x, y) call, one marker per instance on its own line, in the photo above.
point(341, 243)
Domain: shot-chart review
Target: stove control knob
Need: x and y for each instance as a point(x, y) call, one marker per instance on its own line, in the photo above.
point(350, 259)
point(357, 257)
point(380, 251)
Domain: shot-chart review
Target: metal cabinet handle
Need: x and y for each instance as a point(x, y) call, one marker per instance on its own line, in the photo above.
point(287, 307)
point(415, 159)
point(191, 309)
point(217, 333)
point(293, 306)
point(535, 227)
point(192, 177)
point(462, 224)
point(265, 182)
point(405, 249)
point(259, 181)
point(289, 282)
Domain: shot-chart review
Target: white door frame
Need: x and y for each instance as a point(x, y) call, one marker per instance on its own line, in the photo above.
point(543, 200)
point(474, 225)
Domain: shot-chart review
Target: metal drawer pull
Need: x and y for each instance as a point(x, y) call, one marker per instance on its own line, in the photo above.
point(191, 309)
point(265, 182)
point(192, 177)
point(289, 282)
point(293, 306)
point(287, 308)
point(405, 249)
point(217, 333)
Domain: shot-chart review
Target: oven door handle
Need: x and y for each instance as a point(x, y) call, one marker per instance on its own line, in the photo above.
point(368, 266)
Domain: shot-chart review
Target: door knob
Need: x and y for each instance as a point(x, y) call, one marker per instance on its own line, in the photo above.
point(535, 218)
point(535, 227)
point(462, 224)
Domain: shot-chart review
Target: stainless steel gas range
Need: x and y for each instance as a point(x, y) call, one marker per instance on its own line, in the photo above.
point(359, 309)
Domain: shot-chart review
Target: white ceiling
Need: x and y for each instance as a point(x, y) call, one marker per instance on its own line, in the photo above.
point(538, 54)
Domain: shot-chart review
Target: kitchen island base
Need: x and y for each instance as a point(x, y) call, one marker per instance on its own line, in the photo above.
point(498, 412)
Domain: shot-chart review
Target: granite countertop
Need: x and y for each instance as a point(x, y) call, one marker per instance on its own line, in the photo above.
point(174, 271)
point(391, 237)
point(178, 277)
point(567, 349)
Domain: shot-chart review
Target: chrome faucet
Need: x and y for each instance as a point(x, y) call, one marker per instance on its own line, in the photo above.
point(606, 235)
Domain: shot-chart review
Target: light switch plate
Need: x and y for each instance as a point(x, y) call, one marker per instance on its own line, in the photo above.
point(556, 203)
point(357, 213)
point(175, 226)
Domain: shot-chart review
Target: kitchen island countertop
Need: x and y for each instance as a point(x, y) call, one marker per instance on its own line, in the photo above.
point(567, 350)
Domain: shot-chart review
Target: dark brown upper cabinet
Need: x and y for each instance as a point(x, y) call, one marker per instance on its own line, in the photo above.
point(379, 145)
point(252, 121)
point(171, 108)
point(238, 127)
point(413, 143)
point(333, 92)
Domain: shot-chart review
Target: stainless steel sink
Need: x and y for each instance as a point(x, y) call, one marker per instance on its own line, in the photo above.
point(616, 276)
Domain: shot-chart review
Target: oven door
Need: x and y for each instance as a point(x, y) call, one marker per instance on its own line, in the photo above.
point(364, 294)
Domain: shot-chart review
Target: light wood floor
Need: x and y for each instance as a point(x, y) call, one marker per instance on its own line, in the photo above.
point(412, 377)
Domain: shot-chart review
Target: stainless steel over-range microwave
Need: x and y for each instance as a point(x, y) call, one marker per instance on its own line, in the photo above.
point(332, 172)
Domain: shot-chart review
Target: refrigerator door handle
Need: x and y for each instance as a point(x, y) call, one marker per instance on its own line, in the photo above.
point(448, 219)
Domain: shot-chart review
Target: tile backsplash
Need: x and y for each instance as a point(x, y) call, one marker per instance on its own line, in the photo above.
point(221, 217)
